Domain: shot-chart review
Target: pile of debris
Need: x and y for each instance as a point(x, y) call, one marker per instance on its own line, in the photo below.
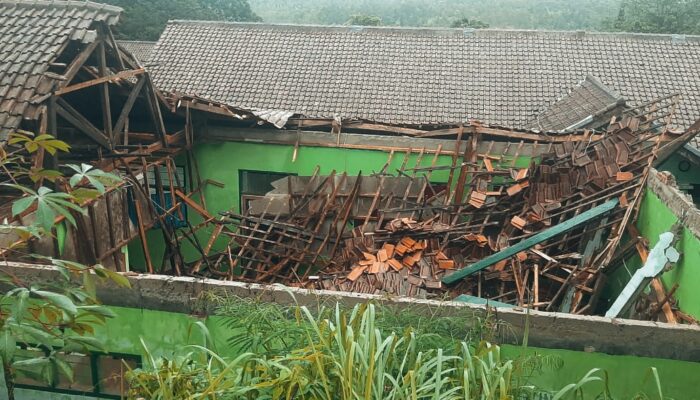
point(541, 236)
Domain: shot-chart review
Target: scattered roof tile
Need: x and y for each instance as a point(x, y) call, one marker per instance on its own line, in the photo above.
point(587, 100)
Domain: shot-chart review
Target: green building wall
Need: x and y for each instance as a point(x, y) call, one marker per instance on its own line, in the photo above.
point(222, 162)
point(654, 219)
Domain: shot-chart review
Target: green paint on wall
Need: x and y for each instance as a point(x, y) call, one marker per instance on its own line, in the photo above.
point(673, 164)
point(221, 162)
point(627, 375)
point(165, 333)
point(655, 218)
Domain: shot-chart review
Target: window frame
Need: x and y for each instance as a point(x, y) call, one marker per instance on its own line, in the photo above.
point(245, 197)
point(94, 374)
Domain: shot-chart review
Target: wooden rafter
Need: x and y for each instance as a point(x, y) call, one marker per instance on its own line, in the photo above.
point(128, 105)
point(70, 114)
point(104, 91)
point(78, 62)
point(103, 79)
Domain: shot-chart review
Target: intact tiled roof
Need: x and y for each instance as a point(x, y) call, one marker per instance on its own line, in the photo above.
point(590, 98)
point(138, 48)
point(418, 76)
point(32, 33)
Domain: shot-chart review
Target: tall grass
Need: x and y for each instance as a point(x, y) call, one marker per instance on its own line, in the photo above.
point(347, 354)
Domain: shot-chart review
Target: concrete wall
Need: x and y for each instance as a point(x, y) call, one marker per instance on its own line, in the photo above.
point(162, 310)
point(549, 330)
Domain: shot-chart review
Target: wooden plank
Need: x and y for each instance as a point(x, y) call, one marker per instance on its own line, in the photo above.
point(128, 105)
point(103, 79)
point(71, 115)
point(215, 234)
point(142, 235)
point(104, 93)
point(154, 111)
point(115, 47)
point(201, 211)
point(385, 128)
point(78, 62)
point(516, 135)
point(532, 241)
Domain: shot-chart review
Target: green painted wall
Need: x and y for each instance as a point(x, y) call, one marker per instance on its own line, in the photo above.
point(654, 219)
point(165, 333)
point(690, 176)
point(222, 162)
point(627, 375)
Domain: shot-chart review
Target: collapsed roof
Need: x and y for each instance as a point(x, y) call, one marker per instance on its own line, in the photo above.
point(419, 76)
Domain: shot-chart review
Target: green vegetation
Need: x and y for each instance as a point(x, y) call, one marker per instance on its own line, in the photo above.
point(657, 16)
point(364, 20)
point(367, 352)
point(522, 14)
point(59, 319)
point(469, 23)
point(145, 20)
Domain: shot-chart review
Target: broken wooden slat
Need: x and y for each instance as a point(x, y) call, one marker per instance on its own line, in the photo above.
point(530, 242)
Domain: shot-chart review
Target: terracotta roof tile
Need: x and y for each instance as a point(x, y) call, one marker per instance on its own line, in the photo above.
point(31, 35)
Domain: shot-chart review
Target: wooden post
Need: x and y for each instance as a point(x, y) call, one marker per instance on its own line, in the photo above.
point(104, 93)
point(142, 234)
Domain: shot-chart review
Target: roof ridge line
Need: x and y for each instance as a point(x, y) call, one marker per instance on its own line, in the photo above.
point(431, 29)
point(138, 41)
point(605, 88)
point(64, 3)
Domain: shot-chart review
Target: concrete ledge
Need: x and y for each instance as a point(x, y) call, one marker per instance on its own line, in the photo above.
point(680, 204)
point(547, 330)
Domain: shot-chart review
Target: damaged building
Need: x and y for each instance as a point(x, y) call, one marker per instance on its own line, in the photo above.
point(525, 170)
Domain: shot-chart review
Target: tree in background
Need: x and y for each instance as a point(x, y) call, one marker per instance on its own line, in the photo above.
point(364, 20)
point(466, 22)
point(657, 16)
point(145, 20)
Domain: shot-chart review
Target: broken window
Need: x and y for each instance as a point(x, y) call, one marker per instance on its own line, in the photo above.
point(255, 184)
point(177, 218)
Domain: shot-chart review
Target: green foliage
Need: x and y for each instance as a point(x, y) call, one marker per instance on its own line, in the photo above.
point(48, 205)
point(522, 14)
point(32, 144)
point(657, 16)
point(469, 23)
point(364, 20)
point(145, 20)
point(59, 318)
point(96, 177)
point(333, 354)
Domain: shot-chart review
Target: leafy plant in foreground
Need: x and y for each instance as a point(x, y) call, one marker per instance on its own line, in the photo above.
point(55, 319)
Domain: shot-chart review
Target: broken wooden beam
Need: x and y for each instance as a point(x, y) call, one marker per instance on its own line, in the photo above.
point(532, 241)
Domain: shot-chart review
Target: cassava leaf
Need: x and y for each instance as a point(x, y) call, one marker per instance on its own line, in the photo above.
point(59, 300)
